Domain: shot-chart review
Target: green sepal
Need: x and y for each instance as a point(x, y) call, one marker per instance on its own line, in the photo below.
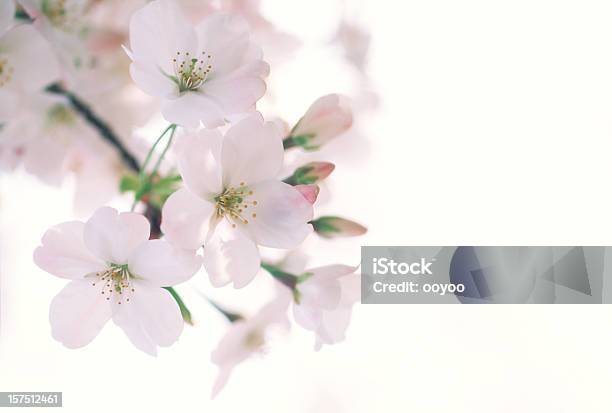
point(323, 225)
point(300, 140)
point(301, 177)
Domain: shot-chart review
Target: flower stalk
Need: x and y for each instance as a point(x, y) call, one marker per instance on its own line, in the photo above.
point(96, 122)
point(185, 313)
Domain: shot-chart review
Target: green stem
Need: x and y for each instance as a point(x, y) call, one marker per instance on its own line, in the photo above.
point(101, 126)
point(146, 180)
point(184, 310)
point(163, 154)
point(150, 153)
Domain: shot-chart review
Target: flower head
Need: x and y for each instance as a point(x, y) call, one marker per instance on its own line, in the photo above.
point(27, 65)
point(311, 173)
point(247, 337)
point(63, 15)
point(232, 200)
point(203, 73)
point(326, 298)
point(116, 273)
point(328, 117)
point(336, 227)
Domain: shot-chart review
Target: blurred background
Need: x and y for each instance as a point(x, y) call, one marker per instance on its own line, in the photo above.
point(476, 123)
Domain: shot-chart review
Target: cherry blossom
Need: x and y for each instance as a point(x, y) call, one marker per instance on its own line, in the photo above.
point(328, 117)
point(61, 23)
point(27, 65)
point(246, 337)
point(336, 227)
point(116, 273)
point(325, 301)
point(50, 141)
point(203, 73)
point(42, 136)
point(232, 200)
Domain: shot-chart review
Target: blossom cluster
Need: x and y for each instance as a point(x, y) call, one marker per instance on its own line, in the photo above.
point(78, 77)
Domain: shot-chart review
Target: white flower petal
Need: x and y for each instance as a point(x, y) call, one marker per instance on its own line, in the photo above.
point(151, 80)
point(333, 325)
point(199, 162)
point(307, 316)
point(162, 264)
point(231, 257)
point(190, 109)
point(231, 349)
point(150, 319)
point(186, 219)
point(325, 294)
point(282, 215)
point(221, 380)
point(226, 38)
point(113, 236)
point(34, 64)
point(331, 272)
point(63, 252)
point(252, 152)
point(7, 15)
point(236, 94)
point(10, 103)
point(78, 313)
point(157, 32)
point(351, 289)
point(44, 158)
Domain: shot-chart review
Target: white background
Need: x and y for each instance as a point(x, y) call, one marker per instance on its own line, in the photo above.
point(493, 128)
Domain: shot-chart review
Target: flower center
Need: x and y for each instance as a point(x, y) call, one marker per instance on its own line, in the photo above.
point(6, 71)
point(115, 283)
point(60, 14)
point(233, 204)
point(60, 114)
point(254, 340)
point(191, 71)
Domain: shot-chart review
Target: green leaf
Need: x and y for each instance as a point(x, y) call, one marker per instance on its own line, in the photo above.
point(129, 183)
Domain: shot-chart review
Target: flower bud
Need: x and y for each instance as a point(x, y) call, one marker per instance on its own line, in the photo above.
point(311, 173)
point(327, 117)
point(335, 227)
point(309, 192)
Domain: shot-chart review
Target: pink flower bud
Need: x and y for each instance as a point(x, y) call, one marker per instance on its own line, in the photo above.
point(311, 173)
point(335, 227)
point(309, 192)
point(327, 117)
point(319, 170)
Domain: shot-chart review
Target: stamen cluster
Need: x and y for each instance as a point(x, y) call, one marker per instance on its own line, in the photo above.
point(191, 71)
point(233, 203)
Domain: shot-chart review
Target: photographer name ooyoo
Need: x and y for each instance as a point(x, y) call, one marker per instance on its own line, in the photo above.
point(386, 266)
